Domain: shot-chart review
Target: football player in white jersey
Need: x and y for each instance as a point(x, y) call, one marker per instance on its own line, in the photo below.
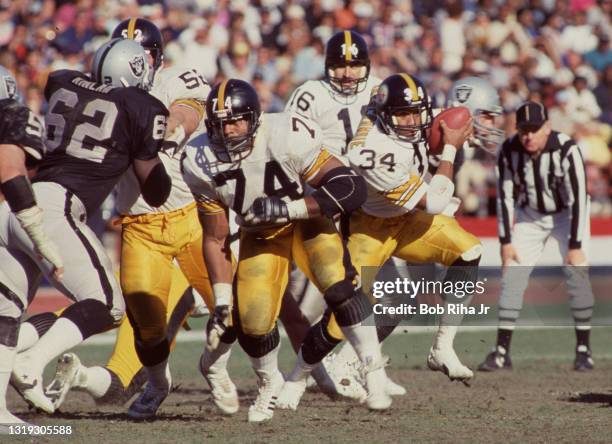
point(336, 103)
point(153, 239)
point(244, 163)
point(402, 215)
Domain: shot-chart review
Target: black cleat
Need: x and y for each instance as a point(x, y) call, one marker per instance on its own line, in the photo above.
point(583, 361)
point(496, 360)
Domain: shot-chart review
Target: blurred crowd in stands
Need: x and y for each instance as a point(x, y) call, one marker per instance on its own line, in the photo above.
point(554, 51)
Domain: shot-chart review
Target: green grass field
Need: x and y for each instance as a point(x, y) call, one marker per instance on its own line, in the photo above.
point(541, 400)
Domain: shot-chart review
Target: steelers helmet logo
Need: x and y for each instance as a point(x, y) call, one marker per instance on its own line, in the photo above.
point(462, 93)
point(137, 66)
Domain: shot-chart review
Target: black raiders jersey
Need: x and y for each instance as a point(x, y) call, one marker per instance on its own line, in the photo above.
point(94, 132)
point(20, 126)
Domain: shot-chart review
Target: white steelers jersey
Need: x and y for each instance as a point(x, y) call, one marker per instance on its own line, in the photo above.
point(171, 85)
point(337, 115)
point(395, 171)
point(287, 152)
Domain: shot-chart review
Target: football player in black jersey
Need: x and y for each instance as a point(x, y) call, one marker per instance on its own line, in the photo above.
point(97, 127)
point(20, 148)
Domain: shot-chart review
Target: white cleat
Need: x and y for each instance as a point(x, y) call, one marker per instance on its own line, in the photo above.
point(67, 375)
point(339, 379)
point(446, 361)
point(29, 385)
point(223, 390)
point(393, 388)
point(291, 394)
point(263, 407)
point(376, 380)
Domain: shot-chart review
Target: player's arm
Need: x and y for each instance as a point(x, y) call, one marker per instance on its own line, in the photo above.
point(218, 260)
point(574, 167)
point(185, 117)
point(441, 186)
point(14, 182)
point(155, 183)
point(338, 190)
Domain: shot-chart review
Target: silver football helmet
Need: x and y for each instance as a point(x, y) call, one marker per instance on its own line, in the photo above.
point(481, 98)
point(8, 85)
point(122, 62)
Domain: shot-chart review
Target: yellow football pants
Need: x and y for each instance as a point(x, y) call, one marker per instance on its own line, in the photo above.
point(151, 243)
point(124, 361)
point(263, 269)
point(417, 237)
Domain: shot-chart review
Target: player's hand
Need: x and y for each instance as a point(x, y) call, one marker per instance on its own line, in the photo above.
point(452, 207)
point(576, 257)
point(457, 137)
point(508, 255)
point(267, 210)
point(216, 326)
point(30, 220)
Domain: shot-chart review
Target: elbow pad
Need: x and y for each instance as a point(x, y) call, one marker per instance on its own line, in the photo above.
point(156, 188)
point(341, 191)
point(439, 194)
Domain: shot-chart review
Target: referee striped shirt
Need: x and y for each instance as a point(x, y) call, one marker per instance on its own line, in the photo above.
point(548, 183)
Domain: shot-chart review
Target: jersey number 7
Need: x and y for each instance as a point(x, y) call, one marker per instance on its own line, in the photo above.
point(273, 173)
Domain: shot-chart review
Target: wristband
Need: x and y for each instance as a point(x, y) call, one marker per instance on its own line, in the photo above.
point(448, 153)
point(223, 294)
point(297, 209)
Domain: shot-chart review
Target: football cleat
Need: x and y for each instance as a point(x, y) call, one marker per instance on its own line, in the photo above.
point(339, 379)
point(223, 391)
point(393, 388)
point(376, 380)
point(291, 394)
point(496, 360)
point(263, 407)
point(146, 405)
point(66, 377)
point(446, 361)
point(583, 361)
point(29, 385)
point(355, 372)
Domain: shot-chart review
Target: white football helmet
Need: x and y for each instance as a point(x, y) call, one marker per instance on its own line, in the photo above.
point(123, 63)
point(8, 85)
point(481, 98)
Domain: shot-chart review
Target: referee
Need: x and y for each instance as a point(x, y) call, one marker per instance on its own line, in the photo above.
point(541, 194)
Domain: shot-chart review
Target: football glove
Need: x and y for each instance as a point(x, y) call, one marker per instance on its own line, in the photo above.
point(216, 326)
point(266, 210)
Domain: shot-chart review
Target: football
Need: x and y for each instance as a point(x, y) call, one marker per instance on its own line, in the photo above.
point(454, 118)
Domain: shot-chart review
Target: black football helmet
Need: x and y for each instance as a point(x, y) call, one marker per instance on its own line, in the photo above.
point(228, 101)
point(347, 48)
point(146, 33)
point(401, 93)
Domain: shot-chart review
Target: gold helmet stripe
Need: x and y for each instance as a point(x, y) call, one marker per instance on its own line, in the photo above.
point(411, 84)
point(131, 28)
point(221, 96)
point(348, 42)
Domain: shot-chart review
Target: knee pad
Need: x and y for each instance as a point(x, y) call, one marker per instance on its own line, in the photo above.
point(152, 354)
point(147, 316)
point(318, 343)
point(9, 331)
point(350, 305)
point(42, 322)
point(258, 346)
point(90, 316)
